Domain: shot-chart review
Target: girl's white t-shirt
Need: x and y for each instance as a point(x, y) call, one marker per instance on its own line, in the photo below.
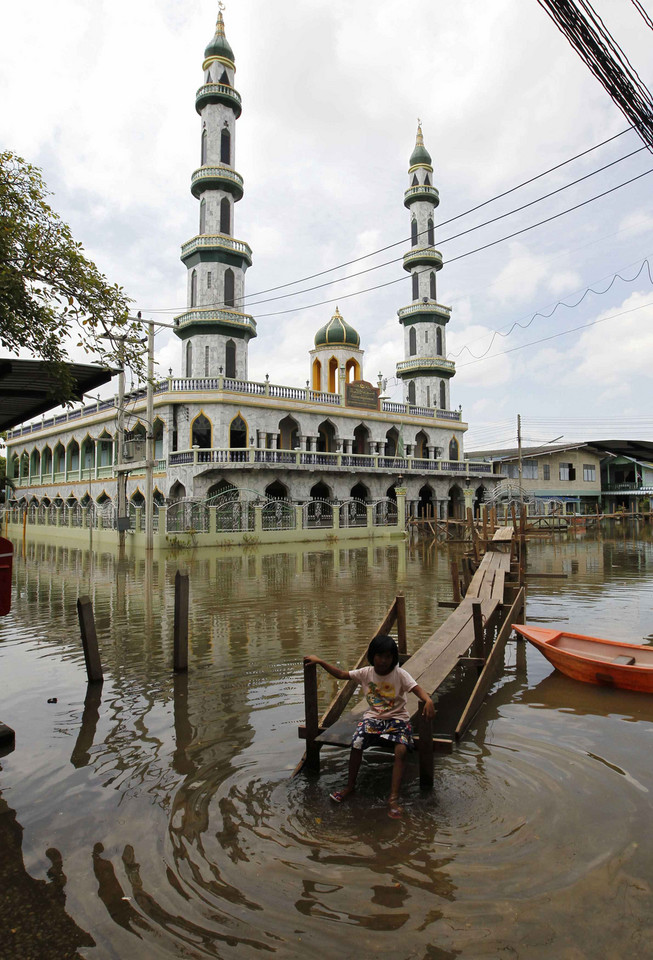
point(385, 695)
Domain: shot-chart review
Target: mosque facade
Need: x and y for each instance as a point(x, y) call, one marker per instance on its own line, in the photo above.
point(217, 431)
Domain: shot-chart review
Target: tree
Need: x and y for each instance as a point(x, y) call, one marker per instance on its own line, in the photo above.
point(49, 290)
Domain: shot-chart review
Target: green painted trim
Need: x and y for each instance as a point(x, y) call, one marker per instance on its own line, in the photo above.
point(221, 96)
point(426, 370)
point(419, 195)
point(418, 317)
point(216, 255)
point(236, 331)
point(426, 256)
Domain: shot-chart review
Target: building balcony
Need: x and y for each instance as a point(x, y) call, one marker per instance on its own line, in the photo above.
point(636, 488)
point(424, 310)
point(218, 93)
point(423, 257)
point(219, 177)
point(436, 365)
point(421, 192)
point(216, 242)
point(210, 318)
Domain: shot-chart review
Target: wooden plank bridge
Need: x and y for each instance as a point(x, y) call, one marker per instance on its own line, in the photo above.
point(457, 664)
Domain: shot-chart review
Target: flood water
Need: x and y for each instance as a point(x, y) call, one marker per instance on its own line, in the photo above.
point(158, 817)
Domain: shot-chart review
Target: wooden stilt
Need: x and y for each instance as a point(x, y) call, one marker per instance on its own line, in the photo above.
point(89, 640)
point(312, 761)
point(425, 749)
point(478, 648)
point(180, 641)
point(400, 606)
point(455, 581)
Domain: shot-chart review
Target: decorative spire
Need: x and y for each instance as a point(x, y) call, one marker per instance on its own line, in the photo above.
point(420, 154)
point(219, 46)
point(337, 314)
point(219, 26)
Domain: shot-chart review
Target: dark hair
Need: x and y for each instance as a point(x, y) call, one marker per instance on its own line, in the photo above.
point(383, 644)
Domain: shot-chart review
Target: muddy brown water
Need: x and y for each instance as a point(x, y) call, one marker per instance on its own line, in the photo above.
point(158, 818)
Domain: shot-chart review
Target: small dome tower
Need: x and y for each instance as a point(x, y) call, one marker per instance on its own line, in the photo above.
point(337, 355)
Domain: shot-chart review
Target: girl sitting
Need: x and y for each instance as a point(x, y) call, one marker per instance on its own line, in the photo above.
point(385, 686)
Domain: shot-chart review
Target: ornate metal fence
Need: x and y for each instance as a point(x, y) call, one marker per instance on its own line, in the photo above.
point(353, 513)
point(317, 513)
point(385, 513)
point(278, 515)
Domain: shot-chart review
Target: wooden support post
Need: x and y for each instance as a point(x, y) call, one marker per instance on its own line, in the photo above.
point(89, 640)
point(493, 520)
point(311, 711)
point(400, 604)
point(478, 647)
point(425, 749)
point(513, 514)
point(180, 642)
point(485, 524)
point(455, 581)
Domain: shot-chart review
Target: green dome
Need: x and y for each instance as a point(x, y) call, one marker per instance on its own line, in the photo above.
point(420, 154)
point(219, 46)
point(337, 333)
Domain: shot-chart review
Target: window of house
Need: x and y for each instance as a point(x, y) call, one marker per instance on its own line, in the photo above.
point(546, 471)
point(589, 472)
point(566, 471)
point(529, 470)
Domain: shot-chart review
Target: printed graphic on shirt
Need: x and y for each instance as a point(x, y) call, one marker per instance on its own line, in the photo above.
point(381, 696)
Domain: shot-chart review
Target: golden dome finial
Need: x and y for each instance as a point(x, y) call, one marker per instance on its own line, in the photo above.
point(337, 314)
point(219, 26)
point(419, 140)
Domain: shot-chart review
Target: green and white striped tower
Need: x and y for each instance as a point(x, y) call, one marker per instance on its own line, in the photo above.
point(425, 370)
point(214, 330)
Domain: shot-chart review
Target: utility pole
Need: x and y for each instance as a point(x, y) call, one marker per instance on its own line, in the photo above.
point(120, 471)
point(149, 453)
point(521, 495)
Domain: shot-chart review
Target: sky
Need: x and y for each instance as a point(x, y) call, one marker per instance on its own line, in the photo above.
point(101, 96)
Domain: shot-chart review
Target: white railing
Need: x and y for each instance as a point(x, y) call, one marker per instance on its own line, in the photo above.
point(217, 88)
point(218, 172)
point(418, 362)
point(216, 241)
point(430, 307)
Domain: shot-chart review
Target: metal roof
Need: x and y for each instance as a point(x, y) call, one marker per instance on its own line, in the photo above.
point(27, 388)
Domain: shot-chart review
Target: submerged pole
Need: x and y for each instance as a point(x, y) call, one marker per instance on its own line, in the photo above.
point(89, 640)
point(180, 642)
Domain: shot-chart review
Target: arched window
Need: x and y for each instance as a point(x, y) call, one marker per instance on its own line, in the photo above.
point(201, 432)
point(438, 342)
point(413, 233)
point(230, 359)
point(453, 449)
point(430, 232)
point(193, 288)
point(443, 396)
point(225, 146)
point(205, 147)
point(317, 374)
point(288, 434)
point(207, 356)
point(428, 396)
point(229, 287)
point(224, 78)
point(332, 385)
point(158, 439)
point(412, 342)
point(415, 182)
point(225, 216)
point(411, 392)
point(361, 440)
point(202, 216)
point(415, 287)
point(189, 359)
point(432, 286)
point(238, 432)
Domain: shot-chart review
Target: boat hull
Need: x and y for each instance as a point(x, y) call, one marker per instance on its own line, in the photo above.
point(593, 659)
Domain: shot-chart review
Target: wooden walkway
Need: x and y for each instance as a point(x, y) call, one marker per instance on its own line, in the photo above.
point(457, 663)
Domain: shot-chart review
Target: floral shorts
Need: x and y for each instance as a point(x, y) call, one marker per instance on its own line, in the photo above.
point(372, 731)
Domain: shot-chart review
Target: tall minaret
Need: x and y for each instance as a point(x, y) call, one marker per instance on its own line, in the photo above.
point(214, 330)
point(425, 371)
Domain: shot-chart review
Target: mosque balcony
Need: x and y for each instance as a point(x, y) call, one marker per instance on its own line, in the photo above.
point(423, 257)
point(420, 365)
point(218, 93)
point(219, 177)
point(206, 244)
point(210, 319)
point(421, 192)
point(424, 310)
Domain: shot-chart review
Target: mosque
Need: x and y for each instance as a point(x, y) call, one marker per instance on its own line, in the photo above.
point(215, 431)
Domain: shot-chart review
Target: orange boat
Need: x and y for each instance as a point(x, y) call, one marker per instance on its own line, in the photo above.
point(628, 666)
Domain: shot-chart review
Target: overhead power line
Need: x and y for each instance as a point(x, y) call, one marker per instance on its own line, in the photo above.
point(444, 223)
point(586, 32)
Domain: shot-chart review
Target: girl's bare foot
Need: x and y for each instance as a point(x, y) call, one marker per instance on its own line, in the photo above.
point(394, 810)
